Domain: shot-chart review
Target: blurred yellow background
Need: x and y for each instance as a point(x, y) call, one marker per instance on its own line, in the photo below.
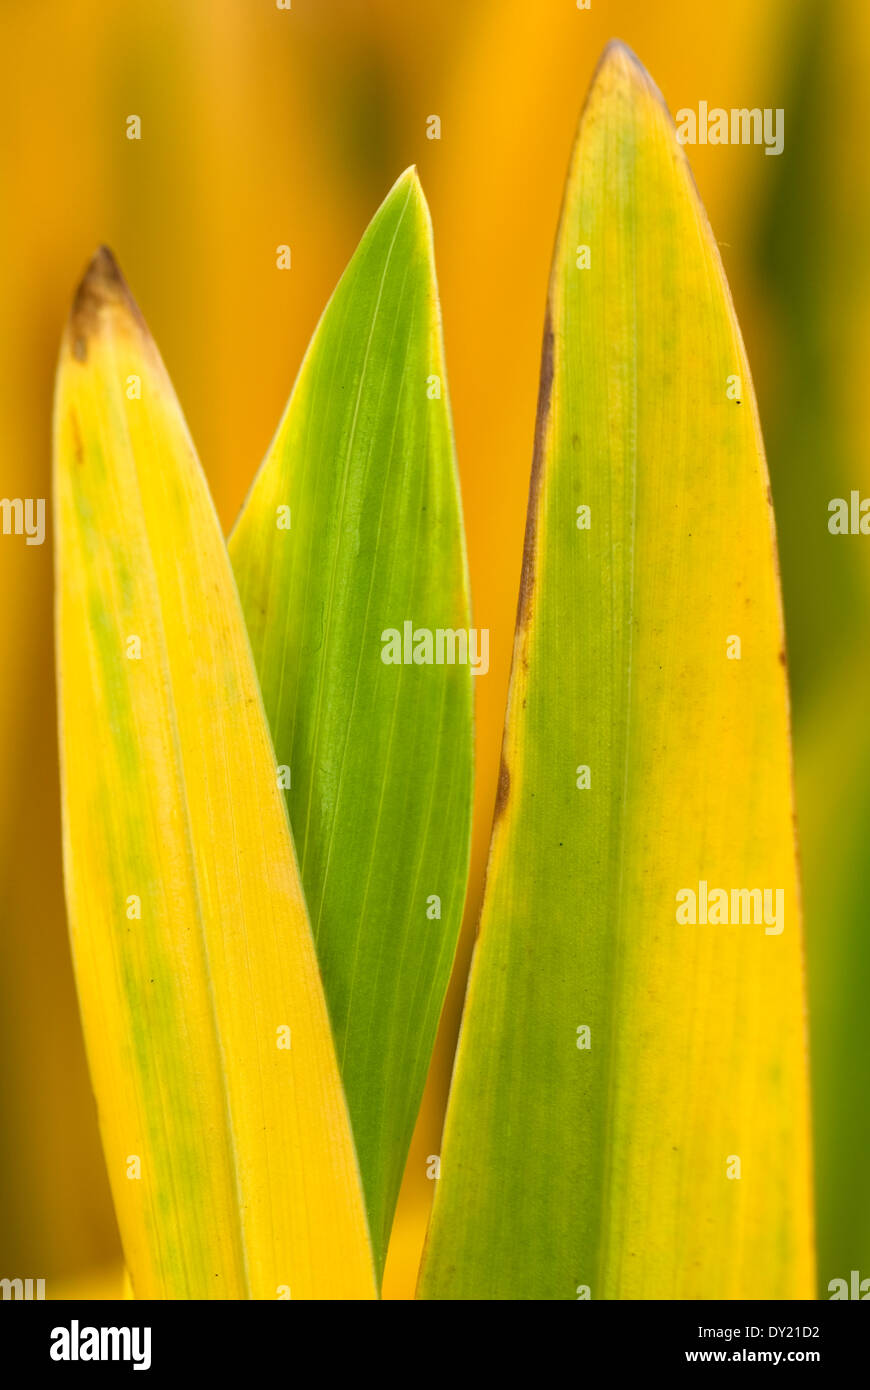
point(263, 127)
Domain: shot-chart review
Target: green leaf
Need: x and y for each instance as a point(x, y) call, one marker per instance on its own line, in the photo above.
point(815, 427)
point(628, 1116)
point(352, 529)
point(226, 1133)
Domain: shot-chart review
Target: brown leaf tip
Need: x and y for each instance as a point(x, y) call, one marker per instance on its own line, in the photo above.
point(102, 287)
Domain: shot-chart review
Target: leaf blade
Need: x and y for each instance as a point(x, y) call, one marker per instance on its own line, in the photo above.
point(380, 756)
point(172, 812)
point(603, 1168)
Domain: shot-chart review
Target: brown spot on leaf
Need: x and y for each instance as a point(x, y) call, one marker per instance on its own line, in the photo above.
point(503, 792)
point(545, 392)
point(76, 433)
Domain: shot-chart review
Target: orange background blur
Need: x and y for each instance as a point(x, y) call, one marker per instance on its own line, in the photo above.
point(262, 127)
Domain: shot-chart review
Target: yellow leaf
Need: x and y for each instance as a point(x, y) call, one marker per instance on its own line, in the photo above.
point(629, 1114)
point(223, 1120)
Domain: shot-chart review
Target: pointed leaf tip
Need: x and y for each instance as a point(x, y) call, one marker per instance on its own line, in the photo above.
point(101, 287)
point(616, 53)
point(409, 182)
point(620, 69)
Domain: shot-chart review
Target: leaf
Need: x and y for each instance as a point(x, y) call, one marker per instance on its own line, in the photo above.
point(816, 430)
point(230, 1158)
point(379, 756)
point(608, 1170)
